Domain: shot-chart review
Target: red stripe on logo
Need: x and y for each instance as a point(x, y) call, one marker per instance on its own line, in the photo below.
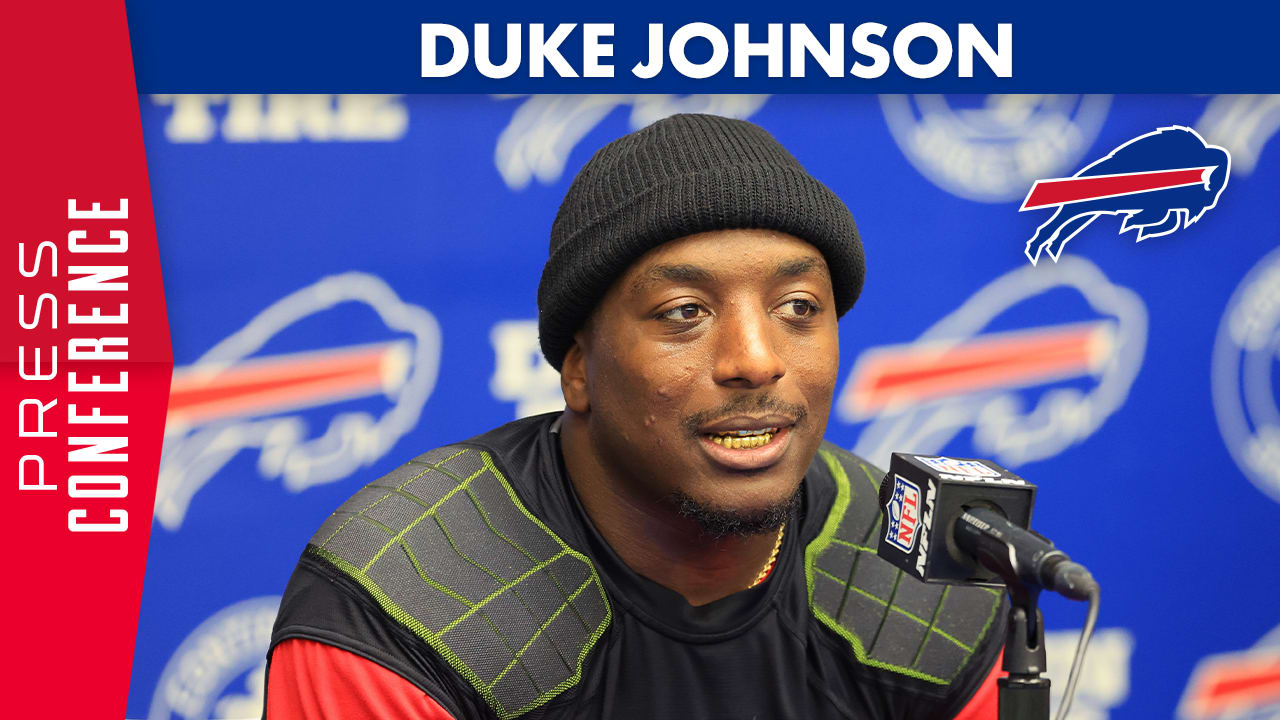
point(1232, 685)
point(272, 384)
point(1046, 193)
point(897, 377)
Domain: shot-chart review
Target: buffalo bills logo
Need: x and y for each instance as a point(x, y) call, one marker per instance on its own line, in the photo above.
point(1020, 393)
point(1161, 182)
point(1241, 685)
point(903, 514)
point(235, 397)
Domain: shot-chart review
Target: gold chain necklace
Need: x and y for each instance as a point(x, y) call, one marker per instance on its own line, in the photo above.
point(773, 557)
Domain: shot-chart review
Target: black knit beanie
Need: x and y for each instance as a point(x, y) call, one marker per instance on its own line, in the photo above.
point(680, 176)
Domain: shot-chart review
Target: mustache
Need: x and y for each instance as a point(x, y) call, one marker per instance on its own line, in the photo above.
point(744, 404)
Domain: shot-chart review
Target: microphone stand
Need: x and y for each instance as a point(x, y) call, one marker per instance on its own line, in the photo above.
point(1024, 695)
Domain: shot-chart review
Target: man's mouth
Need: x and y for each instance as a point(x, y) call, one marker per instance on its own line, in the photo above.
point(747, 443)
point(744, 439)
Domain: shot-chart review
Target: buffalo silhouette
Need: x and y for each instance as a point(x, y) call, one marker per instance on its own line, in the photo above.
point(1151, 213)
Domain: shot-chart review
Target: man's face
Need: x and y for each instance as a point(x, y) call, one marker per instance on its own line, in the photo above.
point(707, 373)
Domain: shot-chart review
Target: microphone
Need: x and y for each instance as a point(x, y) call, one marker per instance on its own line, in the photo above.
point(957, 520)
point(1009, 550)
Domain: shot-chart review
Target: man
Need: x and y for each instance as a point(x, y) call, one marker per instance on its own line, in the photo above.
point(680, 542)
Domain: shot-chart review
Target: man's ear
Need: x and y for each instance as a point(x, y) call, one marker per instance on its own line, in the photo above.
point(573, 376)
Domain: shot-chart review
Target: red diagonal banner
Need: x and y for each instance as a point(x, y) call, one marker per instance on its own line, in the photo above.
point(272, 384)
point(1231, 685)
point(1046, 193)
point(87, 361)
point(910, 375)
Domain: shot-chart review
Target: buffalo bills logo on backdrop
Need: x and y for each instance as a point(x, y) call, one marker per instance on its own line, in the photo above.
point(1246, 358)
point(219, 670)
point(988, 148)
point(903, 511)
point(1104, 676)
point(1242, 124)
point(1241, 685)
point(1160, 182)
point(546, 128)
point(233, 399)
point(960, 374)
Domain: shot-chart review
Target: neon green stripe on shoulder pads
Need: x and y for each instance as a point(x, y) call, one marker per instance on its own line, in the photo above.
point(891, 620)
point(447, 549)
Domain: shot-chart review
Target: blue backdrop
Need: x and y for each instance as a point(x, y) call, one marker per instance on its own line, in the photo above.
point(351, 279)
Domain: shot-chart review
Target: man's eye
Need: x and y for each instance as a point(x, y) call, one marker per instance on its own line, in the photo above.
point(688, 311)
point(801, 308)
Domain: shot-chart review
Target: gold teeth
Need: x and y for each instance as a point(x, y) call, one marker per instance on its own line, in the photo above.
point(742, 443)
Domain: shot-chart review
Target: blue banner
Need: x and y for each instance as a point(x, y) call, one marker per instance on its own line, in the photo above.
point(583, 47)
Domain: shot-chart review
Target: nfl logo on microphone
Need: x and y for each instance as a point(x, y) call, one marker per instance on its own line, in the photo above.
point(903, 513)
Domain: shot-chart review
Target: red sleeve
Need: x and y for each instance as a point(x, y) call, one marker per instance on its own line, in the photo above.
point(984, 705)
point(309, 680)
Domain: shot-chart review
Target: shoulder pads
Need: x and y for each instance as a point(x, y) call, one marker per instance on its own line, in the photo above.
point(891, 620)
point(447, 549)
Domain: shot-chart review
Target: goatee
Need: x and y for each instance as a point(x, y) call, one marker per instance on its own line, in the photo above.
point(720, 522)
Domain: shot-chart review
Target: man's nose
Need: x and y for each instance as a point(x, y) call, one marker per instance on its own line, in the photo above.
point(746, 352)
